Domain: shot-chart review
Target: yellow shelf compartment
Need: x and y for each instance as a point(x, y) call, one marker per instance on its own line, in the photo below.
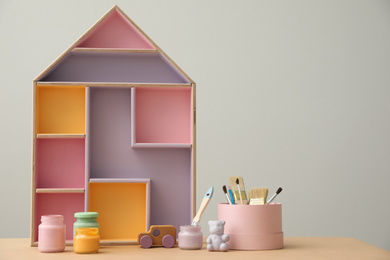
point(123, 206)
point(60, 110)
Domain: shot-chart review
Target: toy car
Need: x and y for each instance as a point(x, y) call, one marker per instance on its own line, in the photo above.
point(159, 235)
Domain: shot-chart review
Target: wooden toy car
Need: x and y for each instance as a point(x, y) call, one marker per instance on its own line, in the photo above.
point(159, 235)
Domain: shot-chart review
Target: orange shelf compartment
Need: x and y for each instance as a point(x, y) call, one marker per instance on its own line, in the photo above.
point(60, 110)
point(123, 209)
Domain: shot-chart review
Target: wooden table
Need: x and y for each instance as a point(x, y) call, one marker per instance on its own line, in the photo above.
point(295, 248)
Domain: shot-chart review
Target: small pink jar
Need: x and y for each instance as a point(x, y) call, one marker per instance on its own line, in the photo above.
point(190, 237)
point(51, 234)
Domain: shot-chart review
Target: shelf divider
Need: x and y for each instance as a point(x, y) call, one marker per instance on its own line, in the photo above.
point(60, 135)
point(58, 190)
point(161, 145)
point(83, 49)
point(119, 180)
point(111, 84)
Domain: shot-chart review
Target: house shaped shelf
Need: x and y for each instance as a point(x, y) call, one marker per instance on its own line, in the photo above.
point(114, 132)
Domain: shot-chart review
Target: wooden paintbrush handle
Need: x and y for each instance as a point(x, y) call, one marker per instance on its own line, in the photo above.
point(202, 207)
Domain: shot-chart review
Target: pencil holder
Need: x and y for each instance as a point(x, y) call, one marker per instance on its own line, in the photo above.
point(252, 227)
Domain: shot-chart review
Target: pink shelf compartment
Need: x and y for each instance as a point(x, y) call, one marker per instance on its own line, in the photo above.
point(65, 204)
point(161, 117)
point(115, 31)
point(60, 163)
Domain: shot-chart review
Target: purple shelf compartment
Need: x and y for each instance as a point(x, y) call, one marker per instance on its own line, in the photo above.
point(110, 155)
point(115, 67)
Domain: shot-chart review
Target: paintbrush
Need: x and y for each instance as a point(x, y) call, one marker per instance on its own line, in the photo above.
point(273, 196)
point(226, 194)
point(258, 196)
point(203, 205)
point(238, 189)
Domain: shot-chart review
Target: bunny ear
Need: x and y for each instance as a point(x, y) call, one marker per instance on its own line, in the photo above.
point(210, 221)
point(223, 222)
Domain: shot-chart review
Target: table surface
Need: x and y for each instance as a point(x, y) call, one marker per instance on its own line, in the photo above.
point(294, 248)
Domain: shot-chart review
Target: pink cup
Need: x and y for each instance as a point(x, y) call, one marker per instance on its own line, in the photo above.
point(252, 227)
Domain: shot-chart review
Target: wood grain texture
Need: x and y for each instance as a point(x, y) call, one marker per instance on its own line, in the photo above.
point(303, 248)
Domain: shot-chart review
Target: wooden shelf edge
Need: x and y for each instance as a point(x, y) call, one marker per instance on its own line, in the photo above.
point(119, 180)
point(82, 49)
point(60, 136)
point(117, 242)
point(110, 84)
point(102, 243)
point(60, 190)
point(161, 145)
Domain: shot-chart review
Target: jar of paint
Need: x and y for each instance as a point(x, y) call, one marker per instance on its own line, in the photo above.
point(190, 237)
point(86, 241)
point(51, 234)
point(85, 220)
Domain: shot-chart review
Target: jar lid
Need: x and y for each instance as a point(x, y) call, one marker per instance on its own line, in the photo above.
point(190, 228)
point(86, 215)
point(52, 218)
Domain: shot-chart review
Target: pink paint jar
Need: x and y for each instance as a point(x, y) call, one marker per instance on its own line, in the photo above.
point(190, 237)
point(51, 234)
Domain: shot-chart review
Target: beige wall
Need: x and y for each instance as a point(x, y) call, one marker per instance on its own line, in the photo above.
point(289, 93)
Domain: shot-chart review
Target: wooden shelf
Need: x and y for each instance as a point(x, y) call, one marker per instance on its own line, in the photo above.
point(60, 136)
point(102, 112)
point(83, 49)
point(119, 180)
point(160, 145)
point(112, 84)
point(57, 190)
point(67, 243)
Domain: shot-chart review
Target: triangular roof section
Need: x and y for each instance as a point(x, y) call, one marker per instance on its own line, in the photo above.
point(114, 32)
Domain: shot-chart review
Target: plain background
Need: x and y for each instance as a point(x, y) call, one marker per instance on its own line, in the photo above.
point(289, 93)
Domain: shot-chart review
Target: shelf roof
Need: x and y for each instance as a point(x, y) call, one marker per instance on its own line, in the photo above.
point(115, 49)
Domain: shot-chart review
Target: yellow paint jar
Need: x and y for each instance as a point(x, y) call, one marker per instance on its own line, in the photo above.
point(86, 241)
